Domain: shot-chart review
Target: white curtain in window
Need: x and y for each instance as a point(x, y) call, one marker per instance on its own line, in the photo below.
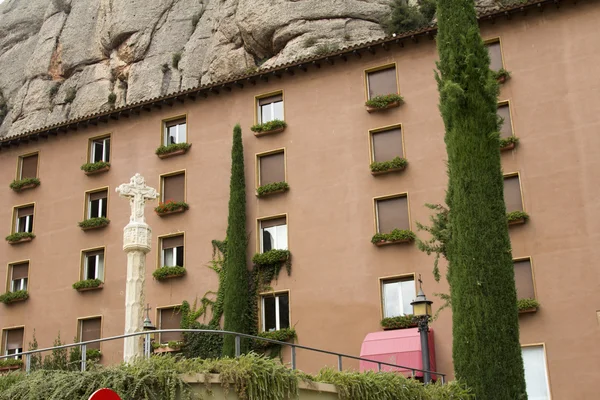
point(276, 236)
point(536, 377)
point(397, 297)
point(271, 111)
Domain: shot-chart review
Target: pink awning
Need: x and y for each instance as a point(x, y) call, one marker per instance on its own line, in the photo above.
point(401, 347)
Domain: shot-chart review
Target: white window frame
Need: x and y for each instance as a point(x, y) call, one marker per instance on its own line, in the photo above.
point(278, 235)
point(86, 267)
point(271, 110)
point(178, 133)
point(100, 207)
point(28, 223)
point(277, 316)
point(400, 292)
point(105, 143)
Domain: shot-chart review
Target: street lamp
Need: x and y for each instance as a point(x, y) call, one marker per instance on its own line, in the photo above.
point(149, 328)
point(422, 313)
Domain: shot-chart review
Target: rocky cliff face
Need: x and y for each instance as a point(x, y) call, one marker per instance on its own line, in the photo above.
point(61, 59)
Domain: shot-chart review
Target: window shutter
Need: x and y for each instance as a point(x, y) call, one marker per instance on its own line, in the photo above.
point(20, 271)
point(392, 214)
point(24, 211)
point(506, 129)
point(170, 318)
point(512, 194)
point(272, 168)
point(172, 242)
point(272, 222)
point(14, 339)
point(495, 56)
point(94, 253)
point(387, 145)
point(29, 166)
point(271, 99)
point(180, 121)
point(382, 82)
point(90, 330)
point(524, 279)
point(174, 188)
point(98, 195)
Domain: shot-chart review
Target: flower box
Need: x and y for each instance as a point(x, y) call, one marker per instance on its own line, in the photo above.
point(399, 322)
point(98, 171)
point(164, 273)
point(528, 310)
point(176, 211)
point(13, 297)
point(268, 128)
point(517, 217)
point(94, 223)
point(20, 237)
point(88, 284)
point(263, 133)
point(87, 289)
point(502, 75)
point(171, 207)
point(397, 236)
point(508, 143)
point(509, 146)
point(385, 167)
point(517, 221)
point(375, 173)
point(172, 154)
point(272, 188)
point(388, 242)
point(383, 102)
point(95, 168)
point(166, 349)
point(24, 184)
point(22, 240)
point(172, 150)
point(527, 305)
point(390, 105)
point(7, 368)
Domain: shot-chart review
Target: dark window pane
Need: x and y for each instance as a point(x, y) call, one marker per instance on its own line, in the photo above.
point(269, 313)
point(107, 149)
point(91, 268)
point(98, 151)
point(284, 311)
point(267, 241)
point(179, 261)
point(104, 205)
point(94, 208)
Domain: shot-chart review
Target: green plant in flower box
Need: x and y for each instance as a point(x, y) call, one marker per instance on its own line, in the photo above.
point(282, 335)
point(167, 272)
point(399, 322)
point(94, 222)
point(15, 237)
point(394, 236)
point(171, 205)
point(270, 263)
point(19, 184)
point(91, 167)
point(172, 148)
point(517, 216)
point(501, 75)
point(272, 187)
point(87, 283)
point(10, 297)
point(505, 142)
point(268, 126)
point(396, 163)
point(382, 101)
point(526, 304)
point(10, 362)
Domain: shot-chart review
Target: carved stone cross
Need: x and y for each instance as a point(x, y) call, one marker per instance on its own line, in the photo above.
point(138, 192)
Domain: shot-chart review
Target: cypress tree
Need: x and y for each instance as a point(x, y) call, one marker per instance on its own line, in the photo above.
point(486, 350)
point(236, 301)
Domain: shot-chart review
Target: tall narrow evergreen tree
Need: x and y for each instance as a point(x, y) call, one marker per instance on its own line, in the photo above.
point(236, 302)
point(486, 350)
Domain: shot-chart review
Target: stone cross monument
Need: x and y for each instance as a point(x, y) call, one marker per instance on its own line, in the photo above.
point(137, 237)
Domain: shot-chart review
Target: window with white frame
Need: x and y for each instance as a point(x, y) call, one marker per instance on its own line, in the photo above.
point(273, 234)
point(172, 251)
point(536, 375)
point(270, 108)
point(175, 131)
point(19, 274)
point(100, 150)
point(97, 204)
point(275, 311)
point(13, 342)
point(24, 219)
point(397, 294)
point(93, 264)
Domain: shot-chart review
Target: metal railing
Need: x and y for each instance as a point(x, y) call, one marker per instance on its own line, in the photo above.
point(238, 341)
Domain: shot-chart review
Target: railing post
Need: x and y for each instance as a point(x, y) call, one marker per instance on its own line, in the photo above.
point(412, 373)
point(339, 362)
point(379, 367)
point(27, 363)
point(83, 357)
point(293, 357)
point(147, 345)
point(443, 378)
point(238, 346)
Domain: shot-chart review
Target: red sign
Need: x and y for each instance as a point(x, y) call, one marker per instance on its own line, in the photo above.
point(104, 394)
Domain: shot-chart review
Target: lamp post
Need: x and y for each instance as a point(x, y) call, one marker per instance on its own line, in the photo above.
point(148, 327)
point(422, 313)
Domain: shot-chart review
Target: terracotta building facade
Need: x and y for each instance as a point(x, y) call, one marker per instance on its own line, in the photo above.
point(341, 285)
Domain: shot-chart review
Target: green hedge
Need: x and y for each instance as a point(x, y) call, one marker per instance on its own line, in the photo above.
point(399, 322)
point(282, 335)
point(268, 126)
point(383, 101)
point(517, 215)
point(15, 237)
point(396, 163)
point(396, 234)
point(505, 142)
point(9, 297)
point(17, 185)
point(91, 167)
point(525, 304)
point(87, 283)
point(163, 272)
point(172, 147)
point(271, 187)
point(171, 205)
point(94, 222)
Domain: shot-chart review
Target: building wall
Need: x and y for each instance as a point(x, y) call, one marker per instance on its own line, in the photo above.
point(334, 287)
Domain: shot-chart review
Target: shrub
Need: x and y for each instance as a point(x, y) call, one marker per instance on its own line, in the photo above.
point(94, 222)
point(9, 297)
point(393, 236)
point(70, 95)
point(282, 335)
point(268, 126)
point(525, 304)
point(384, 100)
point(396, 163)
point(271, 187)
point(54, 90)
point(399, 322)
point(175, 60)
point(405, 17)
point(325, 48)
point(17, 185)
point(112, 98)
point(505, 142)
point(171, 205)
point(166, 272)
point(91, 167)
point(516, 216)
point(10, 362)
point(172, 147)
point(502, 75)
point(15, 237)
point(87, 283)
point(309, 42)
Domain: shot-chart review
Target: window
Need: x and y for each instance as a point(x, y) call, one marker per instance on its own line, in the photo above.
point(273, 234)
point(28, 166)
point(13, 342)
point(512, 193)
point(24, 219)
point(386, 144)
point(93, 264)
point(97, 204)
point(18, 276)
point(382, 81)
point(536, 375)
point(100, 149)
point(270, 108)
point(524, 279)
point(271, 168)
point(275, 311)
point(172, 251)
point(175, 131)
point(495, 52)
point(504, 112)
point(90, 329)
point(173, 187)
point(169, 318)
point(397, 294)
point(392, 213)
